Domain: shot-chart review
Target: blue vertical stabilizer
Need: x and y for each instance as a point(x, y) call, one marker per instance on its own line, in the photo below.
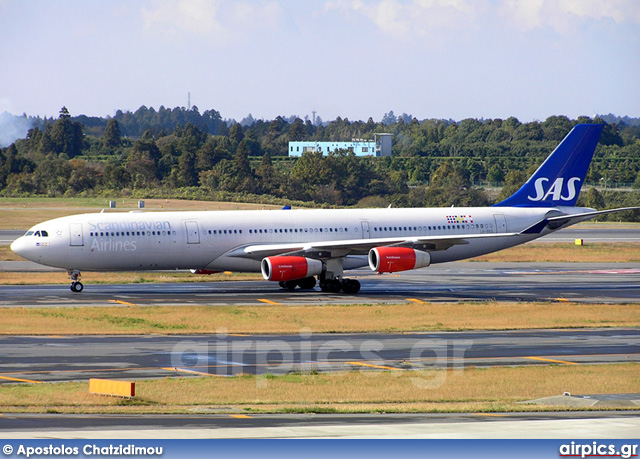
point(558, 181)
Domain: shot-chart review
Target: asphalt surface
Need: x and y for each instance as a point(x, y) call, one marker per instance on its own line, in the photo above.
point(71, 358)
point(574, 425)
point(460, 281)
point(8, 236)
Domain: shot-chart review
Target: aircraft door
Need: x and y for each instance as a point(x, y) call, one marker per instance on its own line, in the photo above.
point(501, 223)
point(193, 233)
point(75, 235)
point(366, 232)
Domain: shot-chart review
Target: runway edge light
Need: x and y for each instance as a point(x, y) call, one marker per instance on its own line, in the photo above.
point(111, 387)
point(579, 242)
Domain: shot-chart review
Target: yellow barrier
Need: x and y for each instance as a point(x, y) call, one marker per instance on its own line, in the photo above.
point(579, 242)
point(110, 387)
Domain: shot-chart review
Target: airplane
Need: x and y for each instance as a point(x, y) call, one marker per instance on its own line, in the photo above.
point(293, 247)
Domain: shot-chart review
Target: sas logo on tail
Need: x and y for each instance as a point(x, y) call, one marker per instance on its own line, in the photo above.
point(555, 191)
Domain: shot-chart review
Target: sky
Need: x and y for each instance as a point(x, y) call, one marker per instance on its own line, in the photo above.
point(450, 59)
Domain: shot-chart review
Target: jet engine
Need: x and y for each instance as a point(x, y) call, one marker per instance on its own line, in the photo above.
point(394, 259)
point(287, 268)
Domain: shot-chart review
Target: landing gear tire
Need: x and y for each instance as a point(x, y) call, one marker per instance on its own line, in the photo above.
point(290, 285)
point(76, 286)
point(307, 283)
point(350, 286)
point(331, 286)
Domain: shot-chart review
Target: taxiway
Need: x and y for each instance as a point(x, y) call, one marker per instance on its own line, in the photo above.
point(37, 359)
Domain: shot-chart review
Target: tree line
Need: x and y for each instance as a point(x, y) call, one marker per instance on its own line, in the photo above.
point(185, 153)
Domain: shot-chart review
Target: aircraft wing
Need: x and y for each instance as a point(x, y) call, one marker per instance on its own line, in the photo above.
point(341, 248)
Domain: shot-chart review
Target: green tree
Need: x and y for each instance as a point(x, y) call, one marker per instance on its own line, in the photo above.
point(450, 186)
point(112, 136)
point(594, 199)
point(236, 135)
point(142, 163)
point(63, 137)
point(268, 177)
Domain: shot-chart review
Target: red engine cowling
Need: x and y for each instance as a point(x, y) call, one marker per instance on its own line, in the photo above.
point(288, 268)
point(394, 259)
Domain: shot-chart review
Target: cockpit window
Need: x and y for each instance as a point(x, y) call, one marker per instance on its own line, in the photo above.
point(44, 233)
point(29, 233)
point(37, 234)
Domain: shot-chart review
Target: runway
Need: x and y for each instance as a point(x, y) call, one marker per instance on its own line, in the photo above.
point(575, 425)
point(37, 359)
point(459, 281)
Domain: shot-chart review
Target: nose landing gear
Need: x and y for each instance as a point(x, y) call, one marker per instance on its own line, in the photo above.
point(76, 286)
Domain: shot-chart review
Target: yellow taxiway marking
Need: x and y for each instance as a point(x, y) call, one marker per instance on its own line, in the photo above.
point(8, 378)
point(122, 302)
point(240, 416)
point(563, 300)
point(552, 360)
point(373, 366)
point(415, 300)
point(238, 334)
point(269, 301)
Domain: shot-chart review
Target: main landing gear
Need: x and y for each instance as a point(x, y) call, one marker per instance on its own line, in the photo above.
point(334, 285)
point(305, 284)
point(76, 286)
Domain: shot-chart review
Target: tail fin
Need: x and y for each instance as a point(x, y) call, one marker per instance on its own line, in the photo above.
point(558, 180)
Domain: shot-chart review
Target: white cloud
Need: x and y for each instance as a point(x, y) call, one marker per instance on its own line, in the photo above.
point(566, 15)
point(415, 18)
point(195, 16)
point(219, 19)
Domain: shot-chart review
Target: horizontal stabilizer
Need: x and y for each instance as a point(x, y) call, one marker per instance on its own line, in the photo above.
point(559, 221)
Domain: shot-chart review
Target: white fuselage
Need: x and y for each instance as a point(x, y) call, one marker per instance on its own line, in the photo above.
point(203, 240)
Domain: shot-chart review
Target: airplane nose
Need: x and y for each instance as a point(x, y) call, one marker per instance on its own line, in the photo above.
point(19, 247)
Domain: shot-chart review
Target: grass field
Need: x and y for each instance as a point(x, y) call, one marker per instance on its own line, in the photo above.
point(317, 318)
point(499, 389)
